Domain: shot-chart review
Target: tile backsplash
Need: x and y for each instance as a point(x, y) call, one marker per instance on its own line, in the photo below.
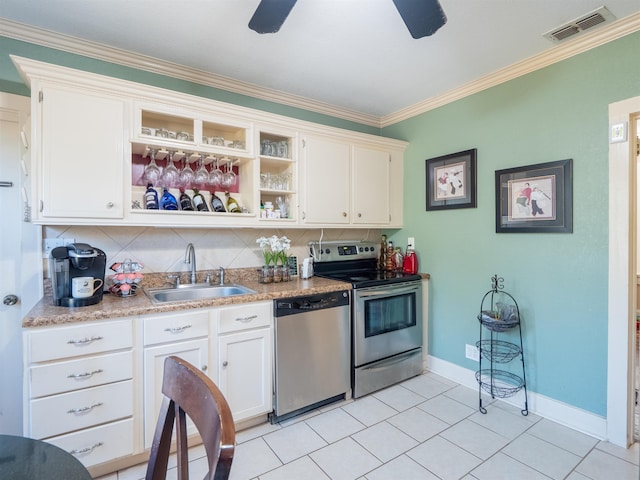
point(163, 249)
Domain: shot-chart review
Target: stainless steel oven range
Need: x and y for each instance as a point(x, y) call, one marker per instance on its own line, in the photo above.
point(386, 314)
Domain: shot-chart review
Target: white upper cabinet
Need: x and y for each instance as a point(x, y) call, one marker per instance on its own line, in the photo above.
point(93, 136)
point(371, 189)
point(81, 153)
point(348, 183)
point(327, 179)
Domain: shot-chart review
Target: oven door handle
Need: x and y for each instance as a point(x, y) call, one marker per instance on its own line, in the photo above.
point(387, 362)
point(389, 291)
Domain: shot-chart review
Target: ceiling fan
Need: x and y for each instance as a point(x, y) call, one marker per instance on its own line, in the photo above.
point(422, 17)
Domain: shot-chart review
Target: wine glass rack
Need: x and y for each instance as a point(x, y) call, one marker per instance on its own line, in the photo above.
point(500, 315)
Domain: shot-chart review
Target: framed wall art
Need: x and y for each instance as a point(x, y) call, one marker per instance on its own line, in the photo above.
point(451, 181)
point(535, 198)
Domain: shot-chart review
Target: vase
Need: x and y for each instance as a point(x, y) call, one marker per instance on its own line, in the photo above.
point(277, 274)
point(265, 274)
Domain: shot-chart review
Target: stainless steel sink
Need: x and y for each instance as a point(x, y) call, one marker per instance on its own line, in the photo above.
point(196, 292)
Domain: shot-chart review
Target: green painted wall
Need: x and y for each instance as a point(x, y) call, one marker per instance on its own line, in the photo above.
point(559, 280)
point(11, 82)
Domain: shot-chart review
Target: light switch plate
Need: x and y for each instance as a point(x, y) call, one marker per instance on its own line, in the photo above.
point(618, 132)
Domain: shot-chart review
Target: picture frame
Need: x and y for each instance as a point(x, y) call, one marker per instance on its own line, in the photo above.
point(451, 181)
point(535, 198)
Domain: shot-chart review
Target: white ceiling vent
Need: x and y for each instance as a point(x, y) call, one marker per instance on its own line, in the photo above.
point(599, 16)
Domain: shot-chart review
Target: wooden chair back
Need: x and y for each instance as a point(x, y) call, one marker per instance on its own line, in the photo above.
point(189, 392)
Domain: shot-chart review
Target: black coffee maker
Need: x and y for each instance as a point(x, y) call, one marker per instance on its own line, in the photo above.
point(80, 261)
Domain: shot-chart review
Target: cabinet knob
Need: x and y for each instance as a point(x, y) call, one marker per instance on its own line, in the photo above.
point(344, 214)
point(204, 368)
point(225, 363)
point(10, 300)
point(110, 204)
point(359, 215)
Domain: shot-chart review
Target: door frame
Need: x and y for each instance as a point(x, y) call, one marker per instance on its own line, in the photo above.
point(622, 275)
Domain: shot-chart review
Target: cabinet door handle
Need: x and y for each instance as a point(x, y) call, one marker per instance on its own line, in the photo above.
point(86, 450)
point(177, 329)
point(84, 409)
point(84, 341)
point(246, 319)
point(84, 374)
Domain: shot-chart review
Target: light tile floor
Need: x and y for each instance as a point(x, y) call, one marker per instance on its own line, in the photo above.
point(424, 428)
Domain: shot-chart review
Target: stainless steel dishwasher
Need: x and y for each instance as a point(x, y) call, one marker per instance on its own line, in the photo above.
point(312, 352)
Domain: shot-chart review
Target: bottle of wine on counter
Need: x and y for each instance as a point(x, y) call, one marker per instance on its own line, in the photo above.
point(216, 203)
point(391, 260)
point(151, 198)
point(232, 205)
point(199, 202)
point(168, 201)
point(382, 256)
point(185, 201)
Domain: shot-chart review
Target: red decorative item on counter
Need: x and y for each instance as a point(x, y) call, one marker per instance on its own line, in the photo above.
point(410, 264)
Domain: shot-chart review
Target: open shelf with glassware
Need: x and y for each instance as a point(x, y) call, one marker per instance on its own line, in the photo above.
point(278, 177)
point(194, 170)
point(500, 315)
point(205, 133)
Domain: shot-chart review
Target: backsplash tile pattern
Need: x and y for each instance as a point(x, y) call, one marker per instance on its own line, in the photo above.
point(162, 249)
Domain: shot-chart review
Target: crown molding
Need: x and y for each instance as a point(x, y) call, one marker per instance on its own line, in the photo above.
point(126, 58)
point(70, 44)
point(561, 52)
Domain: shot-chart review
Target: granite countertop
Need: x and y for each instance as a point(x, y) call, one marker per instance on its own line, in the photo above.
point(46, 314)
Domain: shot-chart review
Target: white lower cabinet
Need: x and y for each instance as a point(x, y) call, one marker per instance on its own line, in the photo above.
point(184, 335)
point(245, 352)
point(79, 388)
point(95, 388)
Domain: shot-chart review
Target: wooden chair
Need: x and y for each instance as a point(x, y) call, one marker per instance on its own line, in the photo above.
point(188, 391)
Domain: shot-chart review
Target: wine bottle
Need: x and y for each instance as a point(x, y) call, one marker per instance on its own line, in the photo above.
point(185, 201)
point(216, 203)
point(232, 205)
point(168, 201)
point(382, 257)
point(151, 198)
point(199, 202)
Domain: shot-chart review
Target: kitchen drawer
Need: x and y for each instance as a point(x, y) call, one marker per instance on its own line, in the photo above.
point(59, 377)
point(63, 342)
point(176, 327)
point(98, 444)
point(81, 409)
point(244, 317)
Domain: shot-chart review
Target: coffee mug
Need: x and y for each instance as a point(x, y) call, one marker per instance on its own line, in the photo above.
point(83, 287)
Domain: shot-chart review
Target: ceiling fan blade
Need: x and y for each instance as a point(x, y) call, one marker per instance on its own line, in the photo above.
point(270, 15)
point(422, 17)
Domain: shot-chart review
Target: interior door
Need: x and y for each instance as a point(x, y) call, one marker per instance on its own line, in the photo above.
point(21, 284)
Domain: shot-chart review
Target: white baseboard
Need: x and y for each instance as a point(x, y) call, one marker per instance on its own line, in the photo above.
point(559, 412)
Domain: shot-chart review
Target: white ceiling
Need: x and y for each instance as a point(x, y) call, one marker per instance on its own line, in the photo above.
point(356, 55)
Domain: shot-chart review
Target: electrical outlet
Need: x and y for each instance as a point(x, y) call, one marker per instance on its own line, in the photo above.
point(51, 243)
point(412, 241)
point(472, 352)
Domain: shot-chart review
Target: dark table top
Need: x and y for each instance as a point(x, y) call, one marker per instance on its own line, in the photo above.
point(24, 458)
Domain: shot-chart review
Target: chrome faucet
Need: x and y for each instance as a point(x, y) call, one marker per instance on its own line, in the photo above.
point(190, 259)
point(221, 276)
